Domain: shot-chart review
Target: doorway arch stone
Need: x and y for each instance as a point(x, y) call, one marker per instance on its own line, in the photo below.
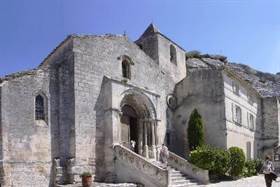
point(138, 111)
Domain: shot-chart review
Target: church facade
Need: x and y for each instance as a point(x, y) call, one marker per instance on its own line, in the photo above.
point(93, 95)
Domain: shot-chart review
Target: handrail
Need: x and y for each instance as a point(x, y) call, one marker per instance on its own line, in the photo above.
point(140, 163)
point(187, 168)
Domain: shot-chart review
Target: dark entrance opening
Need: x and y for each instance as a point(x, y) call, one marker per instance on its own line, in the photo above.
point(129, 122)
point(134, 132)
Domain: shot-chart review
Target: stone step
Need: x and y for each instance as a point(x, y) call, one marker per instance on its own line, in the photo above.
point(176, 174)
point(179, 179)
point(174, 171)
point(183, 185)
point(183, 177)
point(95, 184)
point(185, 182)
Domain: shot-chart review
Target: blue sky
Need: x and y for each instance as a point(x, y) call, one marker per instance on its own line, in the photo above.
point(246, 31)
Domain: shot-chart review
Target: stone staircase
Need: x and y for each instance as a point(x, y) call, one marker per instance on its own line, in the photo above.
point(152, 173)
point(178, 179)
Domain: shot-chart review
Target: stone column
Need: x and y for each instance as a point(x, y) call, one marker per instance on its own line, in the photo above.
point(140, 137)
point(58, 172)
point(153, 128)
point(146, 148)
point(156, 139)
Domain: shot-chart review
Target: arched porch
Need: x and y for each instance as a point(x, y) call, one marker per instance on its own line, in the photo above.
point(138, 123)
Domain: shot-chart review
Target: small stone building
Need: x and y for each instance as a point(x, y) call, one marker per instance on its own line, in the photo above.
point(93, 95)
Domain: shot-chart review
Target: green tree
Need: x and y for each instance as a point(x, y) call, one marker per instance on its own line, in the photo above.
point(195, 130)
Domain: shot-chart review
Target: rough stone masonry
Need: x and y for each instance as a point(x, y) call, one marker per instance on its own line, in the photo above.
point(92, 92)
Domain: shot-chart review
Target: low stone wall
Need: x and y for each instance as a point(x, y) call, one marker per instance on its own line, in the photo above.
point(187, 168)
point(131, 167)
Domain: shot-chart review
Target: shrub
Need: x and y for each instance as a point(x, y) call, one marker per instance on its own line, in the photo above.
point(86, 174)
point(252, 167)
point(221, 162)
point(213, 159)
point(258, 165)
point(193, 54)
point(195, 130)
point(249, 169)
point(202, 157)
point(237, 161)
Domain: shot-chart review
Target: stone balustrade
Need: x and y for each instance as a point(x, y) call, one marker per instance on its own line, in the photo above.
point(140, 167)
point(187, 168)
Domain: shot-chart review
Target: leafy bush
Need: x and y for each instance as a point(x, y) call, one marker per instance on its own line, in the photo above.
point(258, 165)
point(86, 174)
point(252, 167)
point(213, 159)
point(195, 130)
point(237, 161)
point(193, 54)
point(249, 169)
point(221, 161)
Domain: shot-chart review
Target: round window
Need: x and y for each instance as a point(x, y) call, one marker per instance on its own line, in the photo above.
point(171, 101)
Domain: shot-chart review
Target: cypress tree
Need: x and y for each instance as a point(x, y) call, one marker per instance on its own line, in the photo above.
point(195, 130)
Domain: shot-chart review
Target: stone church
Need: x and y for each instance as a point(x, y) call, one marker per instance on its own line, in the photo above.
point(92, 95)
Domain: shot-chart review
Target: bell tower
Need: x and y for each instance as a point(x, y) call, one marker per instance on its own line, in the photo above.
point(166, 53)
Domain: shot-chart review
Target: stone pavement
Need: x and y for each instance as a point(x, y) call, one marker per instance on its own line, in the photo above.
point(256, 181)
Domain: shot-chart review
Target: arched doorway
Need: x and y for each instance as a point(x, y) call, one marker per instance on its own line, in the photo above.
point(139, 123)
point(129, 127)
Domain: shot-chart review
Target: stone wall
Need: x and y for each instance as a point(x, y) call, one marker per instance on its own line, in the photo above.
point(242, 135)
point(1, 139)
point(270, 122)
point(29, 145)
point(95, 58)
point(176, 71)
point(201, 89)
point(26, 142)
point(72, 78)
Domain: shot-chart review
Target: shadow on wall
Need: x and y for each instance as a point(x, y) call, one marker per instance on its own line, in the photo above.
point(62, 117)
point(100, 134)
point(54, 106)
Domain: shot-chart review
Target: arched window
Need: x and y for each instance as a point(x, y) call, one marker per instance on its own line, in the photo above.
point(40, 108)
point(173, 55)
point(126, 69)
point(238, 115)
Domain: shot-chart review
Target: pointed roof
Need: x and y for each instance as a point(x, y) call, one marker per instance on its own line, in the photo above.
point(152, 29)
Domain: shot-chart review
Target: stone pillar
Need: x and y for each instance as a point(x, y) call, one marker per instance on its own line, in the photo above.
point(72, 176)
point(140, 138)
point(58, 172)
point(146, 148)
point(153, 128)
point(156, 139)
